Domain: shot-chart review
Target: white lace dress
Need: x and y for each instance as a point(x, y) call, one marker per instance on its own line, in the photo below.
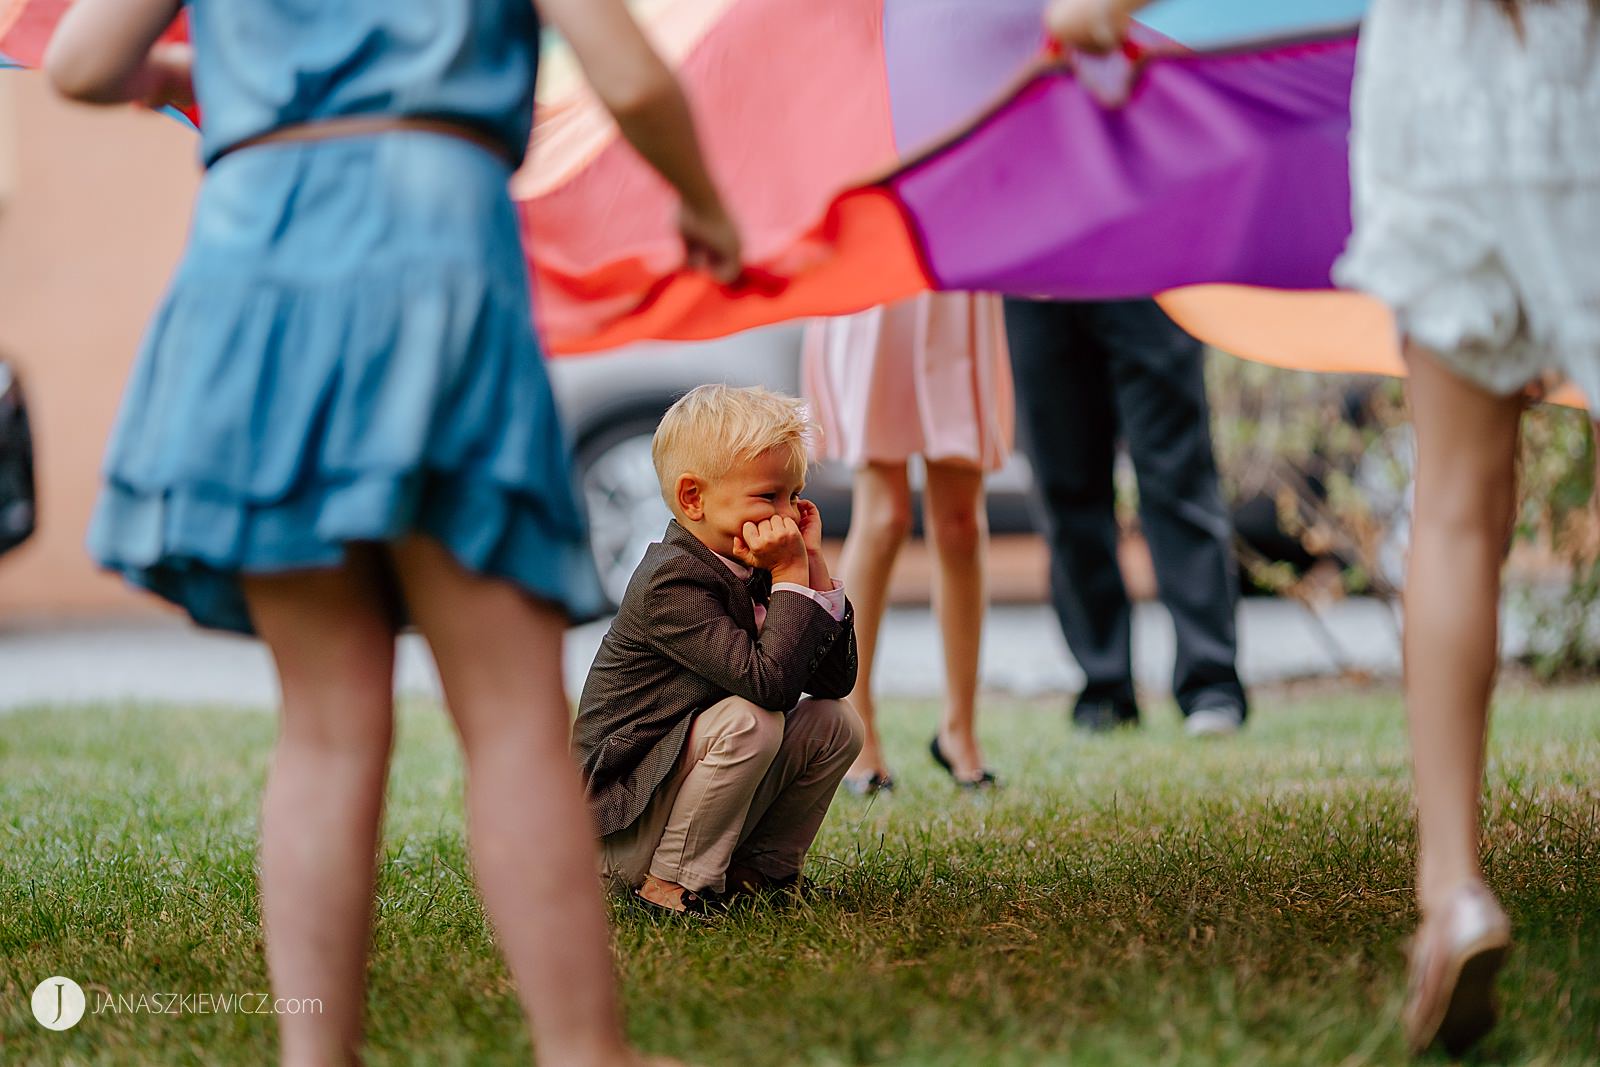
point(1476, 171)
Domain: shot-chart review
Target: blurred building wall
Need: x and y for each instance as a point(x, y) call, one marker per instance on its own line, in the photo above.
point(94, 204)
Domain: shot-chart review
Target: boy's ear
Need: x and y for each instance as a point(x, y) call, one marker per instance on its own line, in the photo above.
point(691, 502)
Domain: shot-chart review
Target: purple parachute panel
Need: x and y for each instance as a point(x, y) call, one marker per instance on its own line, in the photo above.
point(1226, 167)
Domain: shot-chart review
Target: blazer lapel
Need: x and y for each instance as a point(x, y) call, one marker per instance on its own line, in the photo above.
point(743, 608)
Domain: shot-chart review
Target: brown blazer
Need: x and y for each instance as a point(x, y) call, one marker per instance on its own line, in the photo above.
point(684, 639)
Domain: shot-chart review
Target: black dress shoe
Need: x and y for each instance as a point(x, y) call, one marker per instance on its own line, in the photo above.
point(1102, 716)
point(985, 779)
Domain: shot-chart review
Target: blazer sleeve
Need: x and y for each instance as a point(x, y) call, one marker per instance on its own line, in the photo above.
point(835, 676)
point(684, 620)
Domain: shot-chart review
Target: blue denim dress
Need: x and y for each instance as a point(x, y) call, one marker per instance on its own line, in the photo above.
point(346, 352)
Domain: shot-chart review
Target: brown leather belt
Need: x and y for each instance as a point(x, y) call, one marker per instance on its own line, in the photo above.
point(362, 125)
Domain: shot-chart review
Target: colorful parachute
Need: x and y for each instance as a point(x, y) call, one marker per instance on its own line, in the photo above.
point(25, 27)
point(877, 149)
point(873, 149)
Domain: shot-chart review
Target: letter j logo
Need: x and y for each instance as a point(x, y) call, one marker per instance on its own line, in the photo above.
point(58, 1003)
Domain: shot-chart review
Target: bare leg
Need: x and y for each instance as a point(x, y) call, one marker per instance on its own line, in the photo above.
point(880, 520)
point(1465, 496)
point(959, 528)
point(334, 649)
point(499, 657)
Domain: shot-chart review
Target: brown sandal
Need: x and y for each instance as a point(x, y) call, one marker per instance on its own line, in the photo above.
point(670, 897)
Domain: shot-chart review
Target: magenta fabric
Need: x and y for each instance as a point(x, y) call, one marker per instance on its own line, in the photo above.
point(1221, 168)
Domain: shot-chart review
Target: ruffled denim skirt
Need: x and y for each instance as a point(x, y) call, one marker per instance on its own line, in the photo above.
point(346, 354)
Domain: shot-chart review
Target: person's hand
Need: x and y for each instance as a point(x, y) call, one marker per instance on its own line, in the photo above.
point(811, 533)
point(774, 545)
point(168, 71)
point(1096, 26)
point(811, 527)
point(711, 242)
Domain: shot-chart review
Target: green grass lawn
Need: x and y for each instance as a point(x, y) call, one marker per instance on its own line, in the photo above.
point(1138, 899)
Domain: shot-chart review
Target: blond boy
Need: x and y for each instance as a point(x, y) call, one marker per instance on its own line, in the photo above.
point(707, 772)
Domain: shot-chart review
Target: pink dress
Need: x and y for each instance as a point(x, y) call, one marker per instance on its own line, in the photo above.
point(929, 376)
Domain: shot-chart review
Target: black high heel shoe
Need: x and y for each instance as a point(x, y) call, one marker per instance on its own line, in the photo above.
point(985, 779)
point(867, 785)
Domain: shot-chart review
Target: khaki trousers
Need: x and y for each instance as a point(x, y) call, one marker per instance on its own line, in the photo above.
point(752, 785)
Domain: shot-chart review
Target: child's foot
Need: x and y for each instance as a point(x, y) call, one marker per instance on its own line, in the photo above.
point(748, 882)
point(1455, 957)
point(670, 896)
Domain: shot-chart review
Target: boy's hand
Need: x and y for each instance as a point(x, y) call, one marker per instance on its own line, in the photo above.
point(775, 545)
point(811, 534)
point(811, 527)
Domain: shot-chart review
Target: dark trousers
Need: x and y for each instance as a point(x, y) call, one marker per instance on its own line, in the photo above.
point(1088, 375)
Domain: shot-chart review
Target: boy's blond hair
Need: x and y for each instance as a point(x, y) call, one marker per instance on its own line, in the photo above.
point(714, 428)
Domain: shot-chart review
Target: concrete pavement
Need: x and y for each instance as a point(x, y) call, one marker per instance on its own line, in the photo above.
point(1024, 654)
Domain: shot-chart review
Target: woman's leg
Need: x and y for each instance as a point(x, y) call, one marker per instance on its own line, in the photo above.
point(880, 520)
point(1465, 497)
point(959, 528)
point(533, 844)
point(333, 644)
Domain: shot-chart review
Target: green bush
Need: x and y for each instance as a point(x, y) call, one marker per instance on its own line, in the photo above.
point(1340, 486)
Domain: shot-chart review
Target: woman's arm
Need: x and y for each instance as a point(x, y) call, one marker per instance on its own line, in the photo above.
point(644, 96)
point(104, 52)
point(1090, 25)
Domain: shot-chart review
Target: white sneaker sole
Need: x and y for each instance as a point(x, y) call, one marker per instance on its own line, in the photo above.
point(1208, 723)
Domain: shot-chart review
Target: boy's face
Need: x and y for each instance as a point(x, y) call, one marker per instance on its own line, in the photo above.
point(756, 489)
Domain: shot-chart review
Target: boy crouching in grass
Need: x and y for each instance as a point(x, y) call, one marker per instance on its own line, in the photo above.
point(708, 774)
